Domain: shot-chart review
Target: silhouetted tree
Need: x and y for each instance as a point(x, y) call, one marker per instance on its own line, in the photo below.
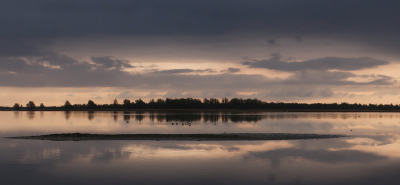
point(41, 105)
point(160, 103)
point(30, 105)
point(16, 106)
point(206, 101)
point(225, 101)
point(127, 103)
point(152, 104)
point(91, 104)
point(115, 104)
point(67, 105)
point(140, 103)
point(213, 103)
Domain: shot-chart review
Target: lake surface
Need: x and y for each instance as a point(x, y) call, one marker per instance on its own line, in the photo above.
point(370, 156)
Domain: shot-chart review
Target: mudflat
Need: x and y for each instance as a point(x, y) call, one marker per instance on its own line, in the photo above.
point(186, 137)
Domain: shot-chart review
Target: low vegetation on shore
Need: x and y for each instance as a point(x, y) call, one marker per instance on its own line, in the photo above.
point(190, 137)
point(212, 103)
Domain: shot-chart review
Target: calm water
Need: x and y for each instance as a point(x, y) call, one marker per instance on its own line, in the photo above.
point(372, 156)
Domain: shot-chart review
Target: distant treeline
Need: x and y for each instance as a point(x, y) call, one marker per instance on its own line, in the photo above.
point(212, 103)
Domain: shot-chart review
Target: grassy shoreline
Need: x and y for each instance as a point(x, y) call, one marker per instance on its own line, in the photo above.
point(259, 110)
point(185, 137)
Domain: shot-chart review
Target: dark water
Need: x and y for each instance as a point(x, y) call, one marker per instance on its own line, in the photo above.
point(371, 156)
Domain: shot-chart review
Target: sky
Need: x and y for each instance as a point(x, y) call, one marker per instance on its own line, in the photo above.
point(274, 50)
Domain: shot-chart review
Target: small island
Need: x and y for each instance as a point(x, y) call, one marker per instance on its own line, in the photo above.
point(177, 137)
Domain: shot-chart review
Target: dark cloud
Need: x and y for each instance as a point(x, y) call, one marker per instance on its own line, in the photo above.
point(183, 147)
point(233, 149)
point(62, 61)
point(204, 93)
point(271, 41)
point(328, 63)
point(320, 77)
point(109, 63)
point(375, 76)
point(28, 27)
point(45, 18)
point(177, 71)
point(12, 64)
point(327, 92)
point(332, 78)
point(125, 95)
point(18, 47)
point(56, 70)
point(298, 38)
point(231, 70)
point(302, 92)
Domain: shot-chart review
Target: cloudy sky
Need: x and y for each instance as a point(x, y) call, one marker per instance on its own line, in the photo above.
point(274, 50)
